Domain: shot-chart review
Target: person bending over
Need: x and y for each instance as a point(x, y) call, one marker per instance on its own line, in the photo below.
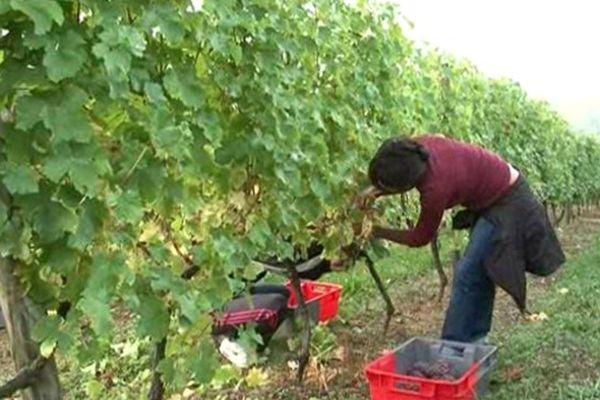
point(510, 235)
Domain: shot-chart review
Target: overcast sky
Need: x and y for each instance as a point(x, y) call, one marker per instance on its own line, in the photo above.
point(551, 47)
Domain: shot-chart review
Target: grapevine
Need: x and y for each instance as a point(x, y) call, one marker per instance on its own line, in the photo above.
point(150, 150)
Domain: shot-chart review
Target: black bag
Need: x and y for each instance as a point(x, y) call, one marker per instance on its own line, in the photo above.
point(464, 219)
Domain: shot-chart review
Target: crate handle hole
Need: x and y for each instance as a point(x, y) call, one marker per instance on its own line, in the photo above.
point(401, 386)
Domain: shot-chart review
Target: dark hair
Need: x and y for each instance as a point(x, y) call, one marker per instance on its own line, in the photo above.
point(398, 165)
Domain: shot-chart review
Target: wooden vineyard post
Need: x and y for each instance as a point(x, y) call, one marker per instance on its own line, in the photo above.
point(37, 376)
point(389, 306)
point(304, 354)
point(437, 263)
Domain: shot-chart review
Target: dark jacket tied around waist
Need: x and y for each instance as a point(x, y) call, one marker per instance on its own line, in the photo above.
point(524, 242)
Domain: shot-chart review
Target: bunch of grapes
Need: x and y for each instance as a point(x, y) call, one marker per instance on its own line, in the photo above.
point(439, 370)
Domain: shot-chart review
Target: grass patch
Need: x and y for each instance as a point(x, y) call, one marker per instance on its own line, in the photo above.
point(558, 358)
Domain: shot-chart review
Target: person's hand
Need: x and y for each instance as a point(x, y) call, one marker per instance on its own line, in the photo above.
point(362, 230)
point(363, 198)
point(345, 259)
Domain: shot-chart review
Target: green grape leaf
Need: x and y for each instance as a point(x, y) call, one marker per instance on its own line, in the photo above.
point(183, 85)
point(48, 331)
point(48, 327)
point(56, 168)
point(28, 110)
point(170, 140)
point(60, 258)
point(94, 389)
point(3, 215)
point(90, 224)
point(64, 56)
point(203, 363)
point(15, 241)
point(67, 119)
point(19, 145)
point(167, 369)
point(155, 93)
point(84, 177)
point(260, 233)
point(188, 306)
point(320, 187)
point(129, 207)
point(133, 39)
point(167, 20)
point(117, 61)
point(224, 375)
point(20, 179)
point(4, 6)
point(95, 304)
point(53, 220)
point(43, 13)
point(154, 318)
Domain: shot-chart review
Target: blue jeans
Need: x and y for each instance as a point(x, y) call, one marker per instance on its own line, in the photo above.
point(469, 315)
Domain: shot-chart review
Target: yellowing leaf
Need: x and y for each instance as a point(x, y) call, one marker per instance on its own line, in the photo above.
point(256, 377)
point(188, 393)
point(47, 348)
point(150, 230)
point(536, 317)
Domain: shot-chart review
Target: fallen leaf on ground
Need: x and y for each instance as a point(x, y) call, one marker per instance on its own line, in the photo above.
point(537, 317)
point(513, 373)
point(293, 365)
point(340, 353)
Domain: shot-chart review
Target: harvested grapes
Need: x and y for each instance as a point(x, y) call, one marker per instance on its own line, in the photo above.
point(439, 370)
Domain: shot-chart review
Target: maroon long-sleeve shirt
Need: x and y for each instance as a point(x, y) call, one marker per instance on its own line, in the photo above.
point(457, 174)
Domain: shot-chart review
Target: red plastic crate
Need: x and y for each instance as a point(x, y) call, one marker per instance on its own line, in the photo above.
point(386, 384)
point(325, 296)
